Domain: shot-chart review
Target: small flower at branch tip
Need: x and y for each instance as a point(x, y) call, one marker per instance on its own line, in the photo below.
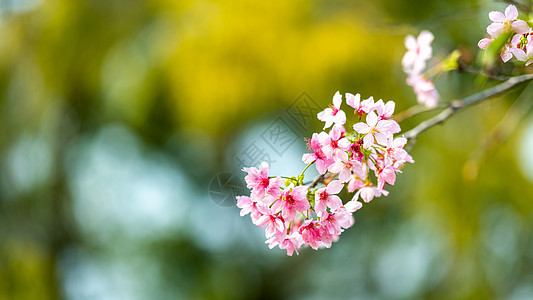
point(418, 52)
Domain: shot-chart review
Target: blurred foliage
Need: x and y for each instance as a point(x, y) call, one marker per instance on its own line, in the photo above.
point(116, 115)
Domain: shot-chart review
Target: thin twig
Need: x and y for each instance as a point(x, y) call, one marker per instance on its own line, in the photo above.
point(458, 104)
point(467, 69)
point(413, 111)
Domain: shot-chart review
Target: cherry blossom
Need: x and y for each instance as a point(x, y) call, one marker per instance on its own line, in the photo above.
point(333, 114)
point(326, 197)
point(297, 215)
point(292, 201)
point(506, 22)
point(334, 144)
point(375, 129)
point(319, 157)
point(425, 91)
point(418, 52)
point(360, 107)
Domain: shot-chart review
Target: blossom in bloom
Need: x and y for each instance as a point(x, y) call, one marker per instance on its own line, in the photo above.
point(384, 110)
point(292, 201)
point(360, 107)
point(346, 168)
point(315, 235)
point(260, 183)
point(334, 144)
point(523, 47)
point(388, 175)
point(425, 91)
point(506, 22)
point(395, 152)
point(321, 160)
point(291, 219)
point(333, 114)
point(272, 221)
point(376, 129)
point(326, 197)
point(418, 52)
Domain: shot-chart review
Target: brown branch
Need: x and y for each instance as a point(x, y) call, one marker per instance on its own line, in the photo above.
point(460, 104)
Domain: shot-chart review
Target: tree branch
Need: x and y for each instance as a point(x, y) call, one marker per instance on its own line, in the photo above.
point(458, 104)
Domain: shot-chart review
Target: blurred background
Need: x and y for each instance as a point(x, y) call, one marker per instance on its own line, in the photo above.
point(124, 125)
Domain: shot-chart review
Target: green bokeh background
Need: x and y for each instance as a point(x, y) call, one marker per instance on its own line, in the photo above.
point(117, 116)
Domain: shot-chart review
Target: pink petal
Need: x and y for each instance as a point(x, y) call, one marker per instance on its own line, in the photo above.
point(337, 100)
point(368, 140)
point(334, 202)
point(496, 16)
point(410, 43)
point(353, 205)
point(336, 167)
point(506, 56)
point(353, 100)
point(243, 201)
point(425, 38)
point(334, 187)
point(340, 118)
point(520, 27)
point(511, 13)
point(519, 54)
point(484, 43)
point(345, 175)
point(372, 119)
point(495, 29)
point(361, 128)
point(321, 166)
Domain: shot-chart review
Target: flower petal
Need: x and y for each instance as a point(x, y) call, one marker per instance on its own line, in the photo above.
point(511, 13)
point(520, 27)
point(337, 100)
point(496, 16)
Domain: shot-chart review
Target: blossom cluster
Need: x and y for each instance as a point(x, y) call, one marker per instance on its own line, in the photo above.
point(296, 215)
point(519, 44)
point(414, 61)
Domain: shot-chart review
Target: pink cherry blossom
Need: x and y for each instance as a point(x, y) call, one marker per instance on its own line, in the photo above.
point(326, 197)
point(321, 160)
point(331, 224)
point(425, 91)
point(292, 201)
point(273, 222)
point(346, 168)
point(418, 52)
point(315, 235)
point(384, 110)
point(375, 129)
point(360, 107)
point(395, 151)
point(260, 183)
point(333, 114)
point(506, 22)
point(522, 47)
point(335, 144)
point(388, 175)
